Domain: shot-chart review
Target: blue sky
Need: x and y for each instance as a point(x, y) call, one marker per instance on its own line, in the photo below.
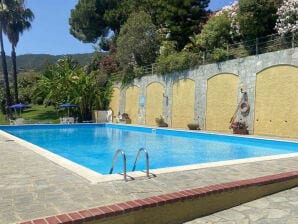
point(50, 29)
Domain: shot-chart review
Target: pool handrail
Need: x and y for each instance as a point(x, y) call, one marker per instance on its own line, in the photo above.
point(147, 160)
point(124, 162)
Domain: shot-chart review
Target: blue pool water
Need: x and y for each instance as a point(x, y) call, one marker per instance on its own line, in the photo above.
point(94, 145)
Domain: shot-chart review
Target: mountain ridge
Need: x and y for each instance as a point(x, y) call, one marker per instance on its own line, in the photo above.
point(37, 62)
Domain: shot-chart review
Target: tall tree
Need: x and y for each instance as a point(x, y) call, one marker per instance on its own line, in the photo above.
point(257, 17)
point(222, 28)
point(182, 18)
point(215, 33)
point(137, 45)
point(87, 22)
point(19, 21)
point(92, 19)
point(3, 20)
point(137, 42)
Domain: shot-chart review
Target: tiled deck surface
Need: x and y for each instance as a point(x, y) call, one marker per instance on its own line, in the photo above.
point(280, 208)
point(31, 187)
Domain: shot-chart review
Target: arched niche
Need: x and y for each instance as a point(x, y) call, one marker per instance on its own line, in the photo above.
point(154, 99)
point(221, 103)
point(276, 102)
point(114, 104)
point(132, 103)
point(183, 103)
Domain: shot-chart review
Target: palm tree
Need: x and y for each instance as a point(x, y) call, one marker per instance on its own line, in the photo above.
point(19, 21)
point(3, 20)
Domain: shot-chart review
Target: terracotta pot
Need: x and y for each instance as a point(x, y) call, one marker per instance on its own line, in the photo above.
point(240, 131)
point(163, 125)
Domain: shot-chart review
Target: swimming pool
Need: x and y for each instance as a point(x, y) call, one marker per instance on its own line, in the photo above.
point(93, 145)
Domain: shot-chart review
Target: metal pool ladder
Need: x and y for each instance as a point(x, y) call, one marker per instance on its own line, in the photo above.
point(124, 162)
point(147, 160)
point(135, 164)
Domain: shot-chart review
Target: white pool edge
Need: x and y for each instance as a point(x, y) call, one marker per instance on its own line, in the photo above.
point(94, 177)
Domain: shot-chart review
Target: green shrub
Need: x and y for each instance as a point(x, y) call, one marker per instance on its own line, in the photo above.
point(219, 54)
point(176, 61)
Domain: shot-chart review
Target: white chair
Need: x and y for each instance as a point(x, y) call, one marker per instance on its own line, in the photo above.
point(109, 116)
point(20, 121)
point(67, 120)
point(70, 120)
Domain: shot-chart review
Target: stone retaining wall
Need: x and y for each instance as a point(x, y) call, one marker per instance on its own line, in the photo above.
point(244, 69)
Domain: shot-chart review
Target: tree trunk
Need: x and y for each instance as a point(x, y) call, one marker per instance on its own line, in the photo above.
point(14, 74)
point(5, 72)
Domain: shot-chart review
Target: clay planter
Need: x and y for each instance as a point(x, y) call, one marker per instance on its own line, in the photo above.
point(163, 125)
point(239, 128)
point(193, 126)
point(240, 131)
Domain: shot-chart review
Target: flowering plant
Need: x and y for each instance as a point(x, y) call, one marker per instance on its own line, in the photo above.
point(231, 11)
point(239, 125)
point(287, 21)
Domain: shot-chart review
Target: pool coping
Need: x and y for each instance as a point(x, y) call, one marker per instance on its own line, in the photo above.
point(94, 177)
point(106, 212)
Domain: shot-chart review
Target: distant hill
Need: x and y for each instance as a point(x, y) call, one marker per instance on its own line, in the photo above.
point(37, 62)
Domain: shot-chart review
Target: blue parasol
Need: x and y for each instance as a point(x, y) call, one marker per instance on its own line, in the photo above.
point(67, 105)
point(19, 106)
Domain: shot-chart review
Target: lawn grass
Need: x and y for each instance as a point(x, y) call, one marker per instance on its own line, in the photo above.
point(2, 119)
point(35, 114)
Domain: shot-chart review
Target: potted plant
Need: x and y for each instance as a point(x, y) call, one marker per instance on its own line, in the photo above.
point(239, 127)
point(126, 118)
point(193, 126)
point(161, 122)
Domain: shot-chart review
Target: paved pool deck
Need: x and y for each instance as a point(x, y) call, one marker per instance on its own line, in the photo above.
point(31, 187)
